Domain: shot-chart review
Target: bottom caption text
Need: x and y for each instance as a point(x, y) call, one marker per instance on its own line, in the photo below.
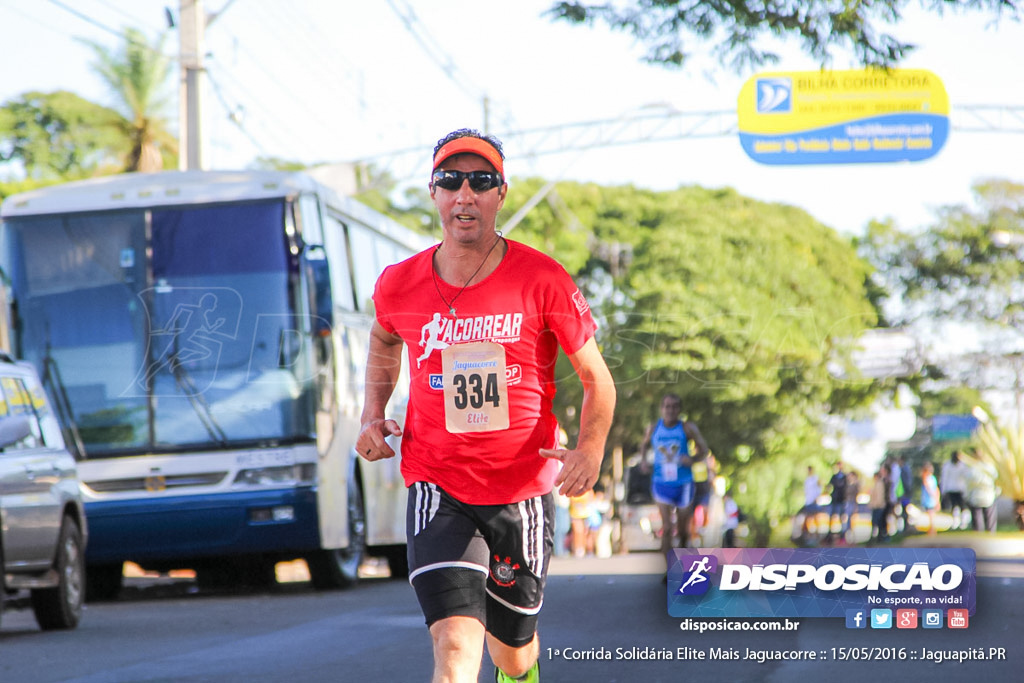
point(639, 653)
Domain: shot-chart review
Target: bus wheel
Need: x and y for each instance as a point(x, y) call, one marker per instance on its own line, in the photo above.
point(103, 581)
point(61, 605)
point(339, 567)
point(217, 575)
point(259, 572)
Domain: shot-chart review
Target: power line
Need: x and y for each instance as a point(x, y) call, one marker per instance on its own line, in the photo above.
point(437, 54)
point(432, 48)
point(233, 114)
point(120, 34)
point(136, 20)
point(86, 18)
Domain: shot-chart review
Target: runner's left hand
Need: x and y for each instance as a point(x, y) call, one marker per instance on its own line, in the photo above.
point(579, 470)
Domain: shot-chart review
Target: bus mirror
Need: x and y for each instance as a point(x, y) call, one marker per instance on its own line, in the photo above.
point(320, 284)
point(13, 430)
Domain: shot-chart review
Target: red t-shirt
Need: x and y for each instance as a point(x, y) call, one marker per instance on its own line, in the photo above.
point(530, 306)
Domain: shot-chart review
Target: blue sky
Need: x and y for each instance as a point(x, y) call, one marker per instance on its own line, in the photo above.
point(319, 80)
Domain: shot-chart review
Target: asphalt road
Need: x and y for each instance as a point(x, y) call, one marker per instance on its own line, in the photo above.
point(166, 630)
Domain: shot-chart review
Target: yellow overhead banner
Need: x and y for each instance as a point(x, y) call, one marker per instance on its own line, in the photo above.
point(841, 117)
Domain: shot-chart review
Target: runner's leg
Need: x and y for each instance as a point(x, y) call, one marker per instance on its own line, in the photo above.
point(458, 649)
point(514, 661)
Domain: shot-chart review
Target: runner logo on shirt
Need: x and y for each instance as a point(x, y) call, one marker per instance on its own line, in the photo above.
point(441, 332)
point(430, 338)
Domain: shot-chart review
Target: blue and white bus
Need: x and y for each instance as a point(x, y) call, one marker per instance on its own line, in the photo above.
point(204, 336)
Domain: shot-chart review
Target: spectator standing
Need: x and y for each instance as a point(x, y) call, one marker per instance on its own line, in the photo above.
point(852, 491)
point(952, 481)
point(879, 505)
point(930, 495)
point(895, 494)
point(837, 506)
point(812, 491)
point(600, 543)
point(563, 523)
point(981, 494)
point(704, 472)
point(905, 488)
point(732, 520)
point(581, 511)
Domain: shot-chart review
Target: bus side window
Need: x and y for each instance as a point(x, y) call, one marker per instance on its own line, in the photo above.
point(366, 261)
point(315, 258)
point(309, 220)
point(337, 256)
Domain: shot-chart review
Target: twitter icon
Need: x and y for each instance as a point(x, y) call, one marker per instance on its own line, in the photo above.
point(881, 618)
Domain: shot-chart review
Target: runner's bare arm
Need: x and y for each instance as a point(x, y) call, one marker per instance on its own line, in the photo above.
point(693, 432)
point(581, 465)
point(384, 361)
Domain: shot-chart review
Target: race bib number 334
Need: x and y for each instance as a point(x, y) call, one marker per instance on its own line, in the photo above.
point(475, 388)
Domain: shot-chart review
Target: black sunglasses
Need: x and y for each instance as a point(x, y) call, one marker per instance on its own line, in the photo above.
point(479, 181)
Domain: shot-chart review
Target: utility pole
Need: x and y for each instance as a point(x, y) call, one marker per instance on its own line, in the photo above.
point(191, 25)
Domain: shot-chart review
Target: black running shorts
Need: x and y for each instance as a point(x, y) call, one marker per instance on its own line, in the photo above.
point(488, 562)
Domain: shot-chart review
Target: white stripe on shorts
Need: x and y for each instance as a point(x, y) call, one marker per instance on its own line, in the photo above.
point(529, 611)
point(449, 565)
point(428, 498)
point(531, 514)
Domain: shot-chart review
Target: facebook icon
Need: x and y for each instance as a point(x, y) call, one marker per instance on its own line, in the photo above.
point(856, 618)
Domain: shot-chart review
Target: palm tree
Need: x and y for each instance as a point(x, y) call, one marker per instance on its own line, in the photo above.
point(137, 74)
point(1002, 447)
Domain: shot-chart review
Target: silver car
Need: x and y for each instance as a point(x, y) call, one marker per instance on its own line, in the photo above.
point(42, 519)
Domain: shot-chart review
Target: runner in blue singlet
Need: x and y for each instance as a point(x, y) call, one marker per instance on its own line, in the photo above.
point(672, 484)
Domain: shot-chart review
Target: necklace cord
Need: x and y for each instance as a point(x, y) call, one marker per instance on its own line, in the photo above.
point(433, 274)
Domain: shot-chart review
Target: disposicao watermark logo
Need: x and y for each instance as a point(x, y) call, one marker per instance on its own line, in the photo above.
point(828, 582)
point(696, 580)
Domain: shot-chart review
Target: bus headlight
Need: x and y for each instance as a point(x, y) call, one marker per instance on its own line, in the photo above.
point(287, 475)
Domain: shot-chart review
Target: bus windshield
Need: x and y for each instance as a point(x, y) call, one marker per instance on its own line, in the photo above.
point(167, 329)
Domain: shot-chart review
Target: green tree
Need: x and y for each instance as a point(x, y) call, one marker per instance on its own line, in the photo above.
point(965, 269)
point(738, 29)
point(739, 306)
point(57, 136)
point(278, 164)
point(413, 208)
point(137, 74)
point(956, 400)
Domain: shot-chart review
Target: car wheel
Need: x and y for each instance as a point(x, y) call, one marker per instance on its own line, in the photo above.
point(339, 567)
point(60, 607)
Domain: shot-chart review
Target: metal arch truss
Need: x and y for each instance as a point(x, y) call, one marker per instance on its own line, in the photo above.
point(663, 123)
